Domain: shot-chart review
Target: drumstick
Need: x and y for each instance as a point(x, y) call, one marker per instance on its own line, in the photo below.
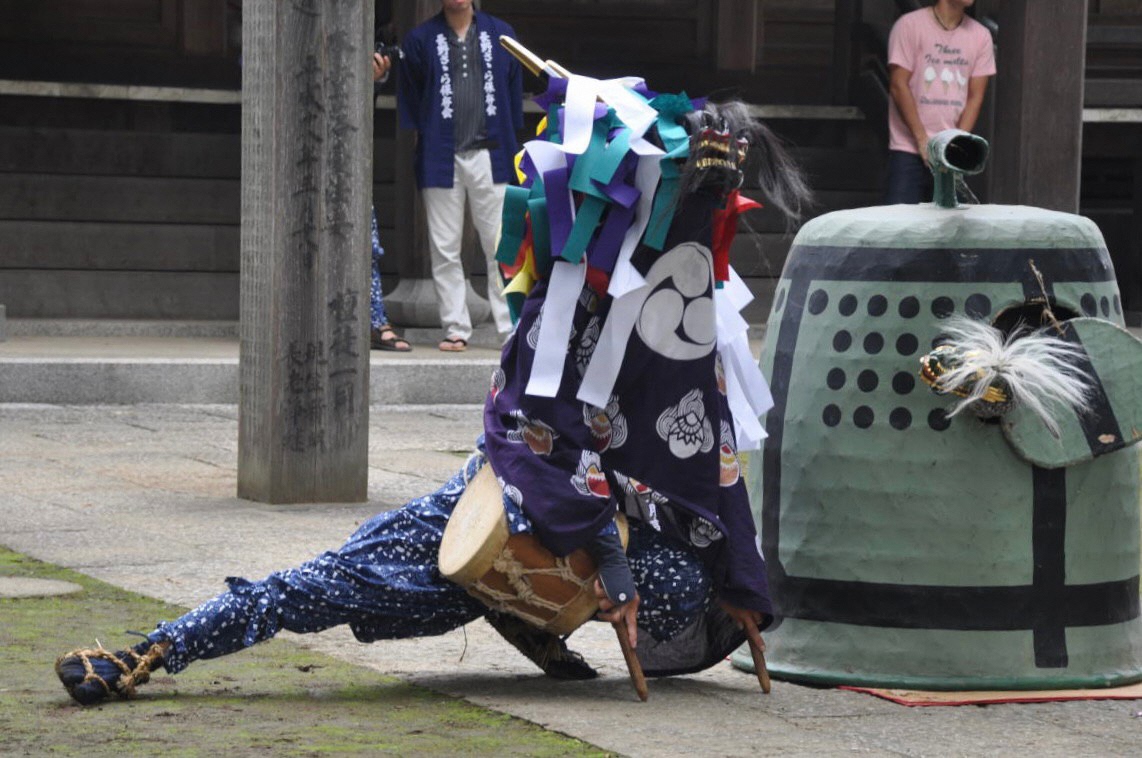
point(759, 665)
point(633, 666)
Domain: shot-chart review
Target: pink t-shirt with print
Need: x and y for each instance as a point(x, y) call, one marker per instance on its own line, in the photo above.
point(942, 63)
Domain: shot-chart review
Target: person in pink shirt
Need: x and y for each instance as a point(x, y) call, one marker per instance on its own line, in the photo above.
point(939, 61)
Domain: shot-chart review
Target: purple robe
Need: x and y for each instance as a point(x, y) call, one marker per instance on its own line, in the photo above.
point(663, 449)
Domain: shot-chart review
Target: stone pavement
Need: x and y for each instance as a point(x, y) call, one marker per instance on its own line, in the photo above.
point(142, 496)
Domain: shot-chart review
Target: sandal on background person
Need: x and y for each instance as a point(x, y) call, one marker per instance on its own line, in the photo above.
point(384, 337)
point(453, 345)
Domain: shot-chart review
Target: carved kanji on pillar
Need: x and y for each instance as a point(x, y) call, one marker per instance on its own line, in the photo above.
point(307, 125)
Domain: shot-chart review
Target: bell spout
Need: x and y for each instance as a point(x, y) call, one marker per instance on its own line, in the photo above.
point(953, 153)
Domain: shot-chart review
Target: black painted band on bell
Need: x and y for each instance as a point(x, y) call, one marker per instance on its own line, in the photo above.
point(870, 264)
point(1099, 424)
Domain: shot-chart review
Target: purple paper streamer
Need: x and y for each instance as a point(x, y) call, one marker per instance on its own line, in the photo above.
point(527, 166)
point(620, 192)
point(605, 250)
point(556, 92)
point(559, 211)
point(645, 91)
point(621, 189)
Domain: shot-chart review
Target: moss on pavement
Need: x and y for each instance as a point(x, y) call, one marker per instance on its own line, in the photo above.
point(273, 700)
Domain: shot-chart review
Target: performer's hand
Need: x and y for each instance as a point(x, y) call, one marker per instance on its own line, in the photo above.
point(922, 143)
point(381, 66)
point(625, 614)
point(747, 620)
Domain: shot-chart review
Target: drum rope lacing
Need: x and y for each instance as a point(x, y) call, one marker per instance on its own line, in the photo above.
point(516, 575)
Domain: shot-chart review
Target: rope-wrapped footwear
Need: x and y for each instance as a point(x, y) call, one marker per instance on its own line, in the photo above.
point(544, 649)
point(91, 675)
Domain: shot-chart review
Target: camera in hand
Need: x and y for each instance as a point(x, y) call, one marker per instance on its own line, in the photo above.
point(391, 50)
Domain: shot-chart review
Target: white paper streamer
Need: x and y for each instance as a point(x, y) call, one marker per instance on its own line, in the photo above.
point(563, 290)
point(625, 277)
point(747, 392)
point(579, 113)
point(737, 291)
point(748, 431)
point(630, 107)
point(599, 379)
point(579, 109)
point(546, 156)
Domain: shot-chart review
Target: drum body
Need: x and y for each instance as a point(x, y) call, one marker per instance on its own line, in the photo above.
point(514, 573)
point(907, 549)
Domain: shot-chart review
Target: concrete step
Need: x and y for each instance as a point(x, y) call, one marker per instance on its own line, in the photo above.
point(107, 362)
point(124, 363)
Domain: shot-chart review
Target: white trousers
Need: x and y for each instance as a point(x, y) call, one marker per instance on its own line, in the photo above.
point(444, 209)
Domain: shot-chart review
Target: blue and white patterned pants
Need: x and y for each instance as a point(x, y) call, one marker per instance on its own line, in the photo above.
point(384, 584)
point(377, 315)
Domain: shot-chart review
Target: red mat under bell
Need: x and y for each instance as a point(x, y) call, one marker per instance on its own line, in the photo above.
point(984, 697)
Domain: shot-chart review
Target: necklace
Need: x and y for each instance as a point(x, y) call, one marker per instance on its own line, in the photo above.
point(940, 21)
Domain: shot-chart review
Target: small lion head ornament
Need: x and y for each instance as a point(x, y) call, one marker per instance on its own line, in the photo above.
point(992, 371)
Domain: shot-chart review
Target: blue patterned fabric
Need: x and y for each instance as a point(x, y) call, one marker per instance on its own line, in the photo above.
point(377, 315)
point(383, 582)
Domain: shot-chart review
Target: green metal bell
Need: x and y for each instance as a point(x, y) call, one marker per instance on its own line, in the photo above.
point(909, 549)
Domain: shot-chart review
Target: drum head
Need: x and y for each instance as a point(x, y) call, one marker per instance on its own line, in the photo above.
point(476, 532)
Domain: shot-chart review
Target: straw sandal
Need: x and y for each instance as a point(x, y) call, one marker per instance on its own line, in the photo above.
point(91, 675)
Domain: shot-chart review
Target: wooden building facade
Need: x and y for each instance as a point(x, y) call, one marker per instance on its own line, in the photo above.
point(120, 120)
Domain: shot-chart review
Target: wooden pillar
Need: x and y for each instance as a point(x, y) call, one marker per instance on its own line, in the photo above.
point(306, 156)
point(413, 301)
point(1131, 283)
point(739, 33)
point(1036, 153)
point(847, 16)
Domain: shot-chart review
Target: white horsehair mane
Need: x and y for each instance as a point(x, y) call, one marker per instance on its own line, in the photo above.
point(1037, 367)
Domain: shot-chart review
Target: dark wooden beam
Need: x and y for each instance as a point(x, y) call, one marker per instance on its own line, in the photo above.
point(739, 35)
point(307, 135)
point(1113, 93)
point(204, 27)
point(1038, 104)
point(846, 16)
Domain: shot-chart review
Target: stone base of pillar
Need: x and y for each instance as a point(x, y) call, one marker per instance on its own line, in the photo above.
point(3, 323)
point(412, 303)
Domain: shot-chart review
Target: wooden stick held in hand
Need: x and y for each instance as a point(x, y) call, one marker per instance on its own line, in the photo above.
point(633, 666)
point(759, 665)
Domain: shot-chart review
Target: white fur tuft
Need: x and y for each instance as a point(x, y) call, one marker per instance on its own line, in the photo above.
point(1038, 368)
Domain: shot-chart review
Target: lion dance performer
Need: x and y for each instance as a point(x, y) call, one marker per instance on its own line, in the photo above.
point(628, 386)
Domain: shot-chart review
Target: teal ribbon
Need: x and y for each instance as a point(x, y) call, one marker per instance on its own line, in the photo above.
point(588, 164)
point(604, 163)
point(515, 301)
point(670, 108)
point(666, 199)
point(586, 222)
point(514, 227)
point(677, 144)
